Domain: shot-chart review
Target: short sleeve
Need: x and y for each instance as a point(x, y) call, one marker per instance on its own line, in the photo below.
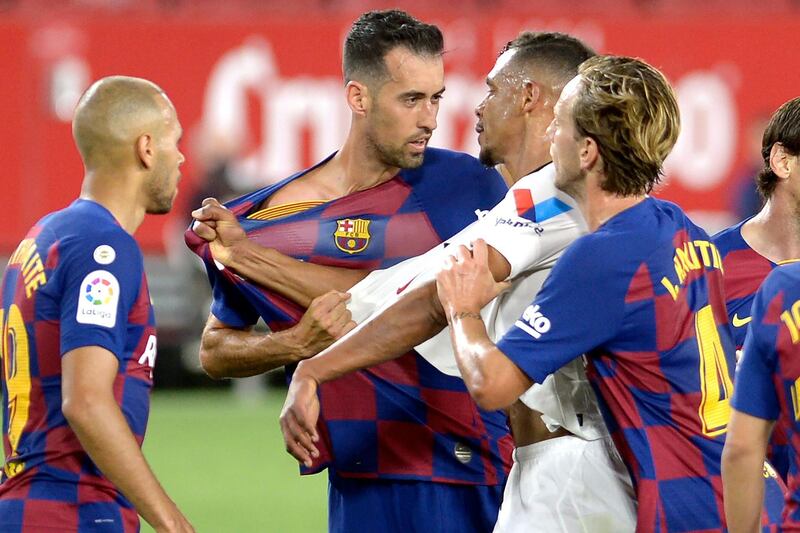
point(754, 389)
point(101, 278)
point(531, 238)
point(579, 308)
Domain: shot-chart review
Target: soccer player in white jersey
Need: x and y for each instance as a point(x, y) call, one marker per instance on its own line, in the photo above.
point(567, 476)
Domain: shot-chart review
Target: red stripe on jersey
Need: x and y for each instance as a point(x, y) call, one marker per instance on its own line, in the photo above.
point(523, 200)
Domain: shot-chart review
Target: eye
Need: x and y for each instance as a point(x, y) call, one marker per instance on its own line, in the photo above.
point(436, 98)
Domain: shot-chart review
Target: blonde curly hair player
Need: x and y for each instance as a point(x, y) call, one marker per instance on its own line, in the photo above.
point(641, 295)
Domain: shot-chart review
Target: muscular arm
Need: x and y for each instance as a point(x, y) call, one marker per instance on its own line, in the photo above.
point(411, 320)
point(92, 412)
point(742, 470)
point(296, 280)
point(226, 351)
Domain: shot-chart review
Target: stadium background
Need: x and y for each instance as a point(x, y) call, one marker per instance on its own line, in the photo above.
point(257, 86)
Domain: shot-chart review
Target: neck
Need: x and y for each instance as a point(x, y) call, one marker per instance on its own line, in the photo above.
point(115, 194)
point(357, 168)
point(599, 206)
point(775, 231)
point(532, 153)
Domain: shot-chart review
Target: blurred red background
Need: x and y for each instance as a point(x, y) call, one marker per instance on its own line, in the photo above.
point(260, 87)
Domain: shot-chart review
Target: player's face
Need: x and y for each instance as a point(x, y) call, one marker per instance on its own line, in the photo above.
point(564, 145)
point(403, 112)
point(497, 124)
point(162, 187)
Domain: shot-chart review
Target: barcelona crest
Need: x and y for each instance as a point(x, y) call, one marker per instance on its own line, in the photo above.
point(351, 235)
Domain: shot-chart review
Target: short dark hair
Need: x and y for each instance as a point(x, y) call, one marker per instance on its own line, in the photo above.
point(783, 128)
point(376, 33)
point(558, 53)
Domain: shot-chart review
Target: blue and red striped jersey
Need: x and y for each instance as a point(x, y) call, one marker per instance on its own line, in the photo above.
point(642, 296)
point(76, 280)
point(403, 419)
point(743, 271)
point(768, 377)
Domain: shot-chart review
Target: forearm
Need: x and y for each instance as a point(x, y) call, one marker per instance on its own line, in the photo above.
point(232, 353)
point(296, 280)
point(106, 437)
point(492, 379)
point(743, 487)
point(413, 319)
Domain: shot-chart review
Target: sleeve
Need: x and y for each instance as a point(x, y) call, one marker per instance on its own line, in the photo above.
point(754, 389)
point(580, 307)
point(101, 280)
point(228, 303)
point(527, 244)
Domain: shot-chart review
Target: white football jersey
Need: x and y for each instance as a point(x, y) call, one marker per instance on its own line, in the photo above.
point(530, 227)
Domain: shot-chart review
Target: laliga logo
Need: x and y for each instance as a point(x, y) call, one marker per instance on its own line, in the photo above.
point(533, 322)
point(99, 292)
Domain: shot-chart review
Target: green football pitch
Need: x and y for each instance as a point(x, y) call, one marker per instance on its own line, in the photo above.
point(222, 460)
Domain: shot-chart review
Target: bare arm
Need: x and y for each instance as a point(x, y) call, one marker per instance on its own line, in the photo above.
point(411, 320)
point(90, 408)
point(743, 471)
point(232, 352)
point(296, 280)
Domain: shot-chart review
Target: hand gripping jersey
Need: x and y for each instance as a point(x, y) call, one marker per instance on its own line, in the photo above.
point(768, 377)
point(642, 296)
point(530, 227)
point(403, 419)
point(76, 280)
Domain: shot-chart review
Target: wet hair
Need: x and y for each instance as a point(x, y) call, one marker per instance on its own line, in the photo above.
point(557, 53)
point(376, 33)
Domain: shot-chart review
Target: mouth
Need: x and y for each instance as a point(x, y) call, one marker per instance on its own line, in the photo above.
point(478, 128)
point(419, 144)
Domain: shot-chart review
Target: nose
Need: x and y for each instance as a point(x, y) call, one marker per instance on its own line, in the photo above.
point(427, 116)
point(479, 108)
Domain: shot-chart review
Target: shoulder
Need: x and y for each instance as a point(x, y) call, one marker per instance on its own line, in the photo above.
point(729, 239)
point(782, 278)
point(450, 164)
point(87, 233)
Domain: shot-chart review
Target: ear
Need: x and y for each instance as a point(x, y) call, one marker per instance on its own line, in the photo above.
point(358, 97)
point(780, 161)
point(531, 94)
point(589, 153)
point(145, 150)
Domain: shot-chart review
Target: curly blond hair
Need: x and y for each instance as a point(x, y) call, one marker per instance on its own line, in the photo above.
point(630, 110)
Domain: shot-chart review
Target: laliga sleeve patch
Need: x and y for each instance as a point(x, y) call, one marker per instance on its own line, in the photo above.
point(98, 299)
point(104, 254)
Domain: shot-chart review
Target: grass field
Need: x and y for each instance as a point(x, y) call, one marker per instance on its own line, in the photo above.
point(223, 462)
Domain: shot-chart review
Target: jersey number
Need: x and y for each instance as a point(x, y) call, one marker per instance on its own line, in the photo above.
point(15, 358)
point(715, 380)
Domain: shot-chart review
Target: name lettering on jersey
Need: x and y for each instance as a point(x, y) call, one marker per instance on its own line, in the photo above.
point(533, 322)
point(30, 263)
point(148, 357)
point(519, 223)
point(352, 235)
point(791, 319)
point(98, 299)
point(693, 255)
